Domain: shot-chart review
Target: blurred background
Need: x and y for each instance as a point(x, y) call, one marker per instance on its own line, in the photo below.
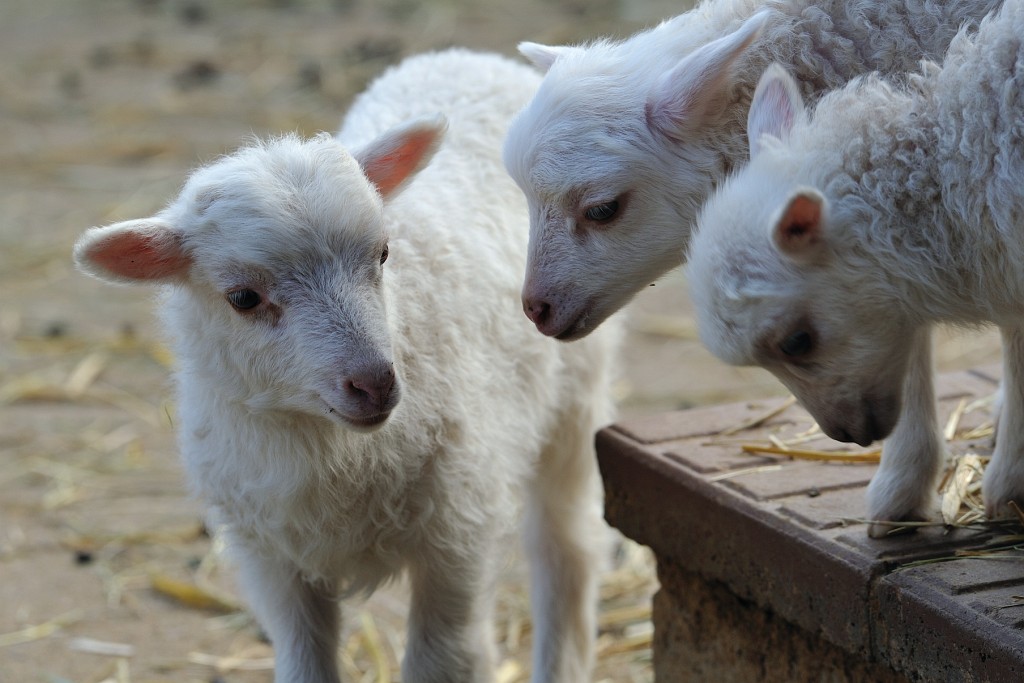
point(106, 573)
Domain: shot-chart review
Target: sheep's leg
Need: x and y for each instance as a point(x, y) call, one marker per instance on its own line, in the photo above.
point(566, 540)
point(997, 409)
point(450, 630)
point(1004, 477)
point(903, 488)
point(301, 619)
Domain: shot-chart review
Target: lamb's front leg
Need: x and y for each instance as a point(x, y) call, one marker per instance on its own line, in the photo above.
point(450, 633)
point(1004, 476)
point(903, 489)
point(566, 542)
point(301, 619)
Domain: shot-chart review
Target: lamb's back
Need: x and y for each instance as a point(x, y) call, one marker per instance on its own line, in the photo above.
point(483, 391)
point(979, 102)
point(458, 238)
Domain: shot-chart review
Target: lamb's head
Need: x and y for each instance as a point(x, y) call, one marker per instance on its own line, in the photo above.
point(775, 283)
point(615, 154)
point(275, 258)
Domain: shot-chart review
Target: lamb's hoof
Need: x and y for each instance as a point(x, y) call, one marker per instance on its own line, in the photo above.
point(1002, 484)
point(894, 528)
point(1005, 507)
point(889, 519)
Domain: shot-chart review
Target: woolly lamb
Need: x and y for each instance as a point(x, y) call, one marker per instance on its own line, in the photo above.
point(847, 235)
point(348, 419)
point(624, 141)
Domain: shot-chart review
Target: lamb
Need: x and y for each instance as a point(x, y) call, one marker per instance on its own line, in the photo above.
point(624, 141)
point(358, 393)
point(891, 208)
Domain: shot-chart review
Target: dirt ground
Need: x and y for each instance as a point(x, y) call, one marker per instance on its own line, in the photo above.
point(104, 105)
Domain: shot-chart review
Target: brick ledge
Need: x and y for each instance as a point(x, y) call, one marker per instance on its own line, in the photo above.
point(772, 532)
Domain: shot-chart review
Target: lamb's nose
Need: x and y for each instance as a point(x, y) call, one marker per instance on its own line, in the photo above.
point(537, 311)
point(372, 387)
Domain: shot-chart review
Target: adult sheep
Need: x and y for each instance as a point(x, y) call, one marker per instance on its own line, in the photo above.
point(890, 208)
point(624, 141)
point(358, 393)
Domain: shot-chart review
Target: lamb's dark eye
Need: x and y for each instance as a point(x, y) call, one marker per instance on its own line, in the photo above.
point(244, 299)
point(384, 255)
point(797, 344)
point(602, 213)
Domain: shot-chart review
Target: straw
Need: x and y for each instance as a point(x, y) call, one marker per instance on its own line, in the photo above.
point(760, 419)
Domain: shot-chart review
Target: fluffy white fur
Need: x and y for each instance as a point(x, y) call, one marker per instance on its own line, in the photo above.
point(894, 207)
point(364, 419)
point(654, 123)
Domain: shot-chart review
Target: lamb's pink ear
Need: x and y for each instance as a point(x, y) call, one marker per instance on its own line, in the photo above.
point(396, 156)
point(799, 230)
point(543, 56)
point(697, 88)
point(144, 250)
point(776, 106)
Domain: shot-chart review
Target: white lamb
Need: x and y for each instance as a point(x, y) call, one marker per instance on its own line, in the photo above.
point(348, 419)
point(896, 207)
point(624, 141)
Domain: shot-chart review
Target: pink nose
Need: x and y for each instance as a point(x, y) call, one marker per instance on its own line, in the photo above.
point(537, 311)
point(372, 388)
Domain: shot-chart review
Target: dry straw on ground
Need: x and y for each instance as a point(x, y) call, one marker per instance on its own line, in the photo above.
point(959, 489)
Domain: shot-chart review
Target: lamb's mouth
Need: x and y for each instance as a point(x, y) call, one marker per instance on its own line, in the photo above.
point(360, 422)
point(372, 421)
point(577, 329)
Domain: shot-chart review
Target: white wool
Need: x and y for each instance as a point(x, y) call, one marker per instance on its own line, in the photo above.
point(658, 120)
point(486, 419)
point(920, 188)
point(655, 121)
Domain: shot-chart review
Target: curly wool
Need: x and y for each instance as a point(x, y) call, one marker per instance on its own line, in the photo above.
point(932, 169)
point(917, 186)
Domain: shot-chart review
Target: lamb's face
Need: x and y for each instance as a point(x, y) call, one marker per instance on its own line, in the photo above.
point(833, 358)
point(276, 255)
point(602, 223)
point(615, 154)
point(289, 248)
point(799, 310)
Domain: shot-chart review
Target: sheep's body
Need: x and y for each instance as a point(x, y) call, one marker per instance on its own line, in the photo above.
point(492, 417)
point(908, 209)
point(654, 123)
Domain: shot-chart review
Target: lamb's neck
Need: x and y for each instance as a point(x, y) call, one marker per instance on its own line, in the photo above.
point(943, 270)
point(898, 230)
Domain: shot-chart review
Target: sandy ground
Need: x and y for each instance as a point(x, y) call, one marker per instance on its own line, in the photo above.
point(104, 105)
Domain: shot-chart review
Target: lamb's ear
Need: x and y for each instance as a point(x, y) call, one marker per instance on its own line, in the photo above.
point(144, 250)
point(696, 89)
point(396, 156)
point(543, 56)
point(799, 231)
point(776, 106)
